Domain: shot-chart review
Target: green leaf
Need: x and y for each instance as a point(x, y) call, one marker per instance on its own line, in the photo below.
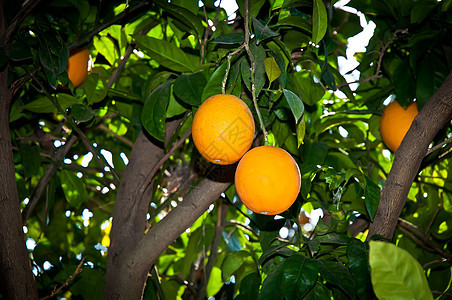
point(311, 92)
point(396, 274)
point(189, 88)
point(299, 275)
point(371, 197)
point(215, 83)
point(31, 159)
point(174, 107)
point(358, 264)
point(81, 113)
point(232, 262)
point(421, 10)
point(254, 7)
point(301, 131)
point(432, 74)
point(73, 187)
point(337, 275)
point(185, 16)
point(319, 21)
point(318, 292)
point(295, 21)
point(154, 111)
point(262, 31)
point(271, 287)
point(272, 69)
point(106, 46)
point(95, 88)
point(215, 283)
point(259, 56)
point(45, 105)
point(167, 54)
point(229, 39)
point(295, 103)
point(249, 287)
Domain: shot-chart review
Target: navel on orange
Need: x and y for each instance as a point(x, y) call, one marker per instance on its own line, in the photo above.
point(223, 129)
point(77, 67)
point(395, 123)
point(267, 180)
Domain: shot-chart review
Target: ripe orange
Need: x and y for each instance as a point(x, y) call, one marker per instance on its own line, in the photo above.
point(395, 123)
point(267, 180)
point(77, 67)
point(223, 129)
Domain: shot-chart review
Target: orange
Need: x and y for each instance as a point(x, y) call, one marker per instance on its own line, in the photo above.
point(395, 123)
point(77, 67)
point(223, 129)
point(267, 180)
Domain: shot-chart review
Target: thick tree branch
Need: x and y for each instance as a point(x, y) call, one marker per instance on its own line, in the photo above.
point(408, 158)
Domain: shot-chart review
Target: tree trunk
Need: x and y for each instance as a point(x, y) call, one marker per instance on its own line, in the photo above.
point(408, 158)
point(16, 278)
point(132, 253)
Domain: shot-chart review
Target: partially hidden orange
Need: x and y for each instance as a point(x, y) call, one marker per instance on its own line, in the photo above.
point(267, 180)
point(395, 122)
point(223, 129)
point(77, 67)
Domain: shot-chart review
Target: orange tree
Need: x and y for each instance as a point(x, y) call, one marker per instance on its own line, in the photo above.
point(103, 193)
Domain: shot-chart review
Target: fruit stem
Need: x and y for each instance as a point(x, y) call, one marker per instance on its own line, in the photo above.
point(252, 69)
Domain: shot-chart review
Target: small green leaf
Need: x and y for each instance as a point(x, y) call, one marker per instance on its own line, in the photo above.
point(319, 21)
point(95, 88)
point(215, 283)
point(81, 113)
point(167, 54)
point(73, 187)
point(295, 103)
point(295, 21)
point(229, 39)
point(301, 131)
point(272, 69)
point(396, 274)
point(371, 197)
point(337, 275)
point(261, 31)
point(106, 46)
point(189, 88)
point(154, 111)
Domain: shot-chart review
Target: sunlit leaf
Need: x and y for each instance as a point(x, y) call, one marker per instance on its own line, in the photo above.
point(73, 187)
point(396, 274)
point(272, 69)
point(295, 103)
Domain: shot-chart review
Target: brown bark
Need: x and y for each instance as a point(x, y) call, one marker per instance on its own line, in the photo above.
point(408, 158)
point(16, 278)
point(131, 253)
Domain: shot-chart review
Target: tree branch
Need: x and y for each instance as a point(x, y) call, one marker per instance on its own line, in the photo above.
point(408, 158)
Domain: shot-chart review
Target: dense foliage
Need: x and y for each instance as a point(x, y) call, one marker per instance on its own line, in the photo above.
point(157, 61)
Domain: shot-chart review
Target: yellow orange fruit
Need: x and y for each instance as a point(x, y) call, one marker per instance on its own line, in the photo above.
point(395, 123)
point(267, 180)
point(77, 67)
point(223, 129)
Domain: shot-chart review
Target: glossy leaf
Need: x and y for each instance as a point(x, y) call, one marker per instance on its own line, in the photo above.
point(73, 187)
point(295, 21)
point(249, 287)
point(319, 21)
point(189, 88)
point(371, 197)
point(295, 103)
point(299, 275)
point(167, 54)
point(262, 31)
point(357, 255)
point(272, 69)
point(337, 275)
point(215, 83)
point(396, 274)
point(154, 111)
point(81, 113)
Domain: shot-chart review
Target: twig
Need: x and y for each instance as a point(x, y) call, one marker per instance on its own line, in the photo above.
point(431, 150)
point(76, 272)
point(442, 293)
point(381, 53)
point(229, 58)
point(441, 260)
point(253, 69)
point(423, 238)
point(203, 44)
